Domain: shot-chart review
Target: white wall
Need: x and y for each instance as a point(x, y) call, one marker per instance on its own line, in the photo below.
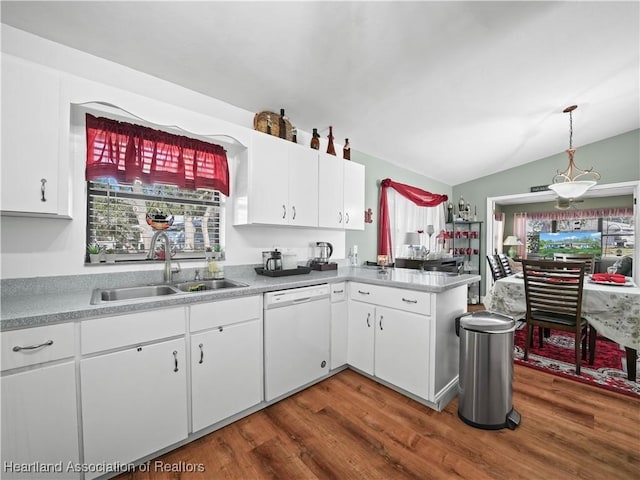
point(45, 247)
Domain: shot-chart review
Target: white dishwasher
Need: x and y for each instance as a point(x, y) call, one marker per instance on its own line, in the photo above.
point(296, 338)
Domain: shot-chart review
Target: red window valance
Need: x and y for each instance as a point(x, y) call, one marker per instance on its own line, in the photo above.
point(420, 197)
point(129, 152)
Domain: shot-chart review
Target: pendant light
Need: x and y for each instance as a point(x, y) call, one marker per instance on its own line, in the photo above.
point(573, 182)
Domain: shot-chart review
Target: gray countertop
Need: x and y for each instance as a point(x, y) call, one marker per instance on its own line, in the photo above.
point(37, 302)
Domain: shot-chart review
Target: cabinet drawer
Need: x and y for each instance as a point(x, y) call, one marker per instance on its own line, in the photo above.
point(398, 298)
point(113, 332)
point(338, 292)
point(224, 312)
point(53, 342)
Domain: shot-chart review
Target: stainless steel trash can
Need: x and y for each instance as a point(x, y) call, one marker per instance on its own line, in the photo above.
point(486, 370)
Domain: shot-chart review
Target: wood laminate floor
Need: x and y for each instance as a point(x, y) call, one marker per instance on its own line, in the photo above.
point(350, 427)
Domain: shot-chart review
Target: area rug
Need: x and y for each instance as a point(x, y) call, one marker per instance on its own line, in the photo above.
point(557, 357)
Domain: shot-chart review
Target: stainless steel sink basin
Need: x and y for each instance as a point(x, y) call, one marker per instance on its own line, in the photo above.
point(207, 285)
point(147, 291)
point(129, 293)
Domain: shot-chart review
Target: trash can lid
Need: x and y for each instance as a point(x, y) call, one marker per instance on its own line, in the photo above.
point(487, 321)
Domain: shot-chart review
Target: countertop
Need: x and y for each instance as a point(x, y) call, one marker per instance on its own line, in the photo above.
point(38, 302)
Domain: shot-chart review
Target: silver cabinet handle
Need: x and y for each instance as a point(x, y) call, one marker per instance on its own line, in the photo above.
point(338, 291)
point(33, 347)
point(346, 216)
point(363, 292)
point(294, 212)
point(409, 301)
point(368, 323)
point(201, 353)
point(175, 359)
point(284, 211)
point(339, 217)
point(380, 323)
point(42, 182)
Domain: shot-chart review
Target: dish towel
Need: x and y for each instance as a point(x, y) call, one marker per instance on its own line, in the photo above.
point(608, 277)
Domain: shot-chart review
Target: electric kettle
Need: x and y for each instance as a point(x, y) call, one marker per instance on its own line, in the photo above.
point(325, 250)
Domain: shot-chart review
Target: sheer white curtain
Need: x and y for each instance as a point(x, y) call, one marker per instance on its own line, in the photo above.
point(520, 231)
point(405, 216)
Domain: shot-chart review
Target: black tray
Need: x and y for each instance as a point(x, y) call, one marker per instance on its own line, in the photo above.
point(282, 273)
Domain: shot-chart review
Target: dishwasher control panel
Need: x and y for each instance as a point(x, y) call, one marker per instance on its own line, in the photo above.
point(295, 295)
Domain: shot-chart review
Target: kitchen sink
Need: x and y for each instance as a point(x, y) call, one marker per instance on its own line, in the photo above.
point(129, 293)
point(148, 291)
point(207, 285)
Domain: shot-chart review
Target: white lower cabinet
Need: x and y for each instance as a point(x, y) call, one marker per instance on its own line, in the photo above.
point(226, 372)
point(362, 319)
point(389, 343)
point(134, 393)
point(402, 349)
point(39, 423)
point(134, 402)
point(339, 324)
point(226, 359)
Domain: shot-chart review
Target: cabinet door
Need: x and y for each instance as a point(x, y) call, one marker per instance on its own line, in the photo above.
point(39, 420)
point(134, 402)
point(226, 372)
point(402, 350)
point(330, 191)
point(360, 336)
point(339, 333)
point(303, 186)
point(31, 120)
point(353, 196)
point(269, 193)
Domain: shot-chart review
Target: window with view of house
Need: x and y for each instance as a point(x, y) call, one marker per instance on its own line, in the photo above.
point(136, 175)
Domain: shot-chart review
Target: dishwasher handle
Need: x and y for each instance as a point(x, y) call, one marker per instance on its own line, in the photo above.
point(301, 300)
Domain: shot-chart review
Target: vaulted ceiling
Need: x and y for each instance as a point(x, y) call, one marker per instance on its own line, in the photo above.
point(452, 90)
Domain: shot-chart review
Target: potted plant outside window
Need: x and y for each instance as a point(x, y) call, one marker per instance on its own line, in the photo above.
point(94, 253)
point(110, 255)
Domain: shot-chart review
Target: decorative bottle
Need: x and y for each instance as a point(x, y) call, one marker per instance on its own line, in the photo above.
point(315, 140)
point(331, 150)
point(450, 213)
point(268, 124)
point(294, 134)
point(346, 150)
point(282, 126)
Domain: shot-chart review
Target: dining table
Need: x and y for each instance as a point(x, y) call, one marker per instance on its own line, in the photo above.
point(612, 309)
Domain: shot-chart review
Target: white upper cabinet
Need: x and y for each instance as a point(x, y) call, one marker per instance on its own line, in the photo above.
point(35, 140)
point(341, 193)
point(277, 184)
point(303, 186)
point(353, 195)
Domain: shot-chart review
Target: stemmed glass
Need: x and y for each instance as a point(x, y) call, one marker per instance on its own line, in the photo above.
point(429, 230)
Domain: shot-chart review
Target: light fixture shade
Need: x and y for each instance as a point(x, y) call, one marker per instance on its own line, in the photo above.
point(412, 238)
point(572, 189)
point(512, 240)
point(566, 184)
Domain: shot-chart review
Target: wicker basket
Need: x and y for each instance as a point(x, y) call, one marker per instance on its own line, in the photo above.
point(260, 124)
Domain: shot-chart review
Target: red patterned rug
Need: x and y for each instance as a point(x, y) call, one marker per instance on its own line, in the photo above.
point(557, 357)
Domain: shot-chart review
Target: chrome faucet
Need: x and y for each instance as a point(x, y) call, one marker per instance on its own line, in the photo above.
point(168, 272)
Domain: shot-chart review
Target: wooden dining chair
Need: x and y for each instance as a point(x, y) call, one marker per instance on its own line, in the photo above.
point(588, 259)
point(506, 266)
point(496, 268)
point(553, 292)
